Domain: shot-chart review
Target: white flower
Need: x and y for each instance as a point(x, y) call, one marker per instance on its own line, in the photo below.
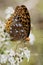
point(8, 12)
point(8, 16)
point(26, 52)
point(3, 58)
point(3, 36)
point(2, 39)
point(7, 43)
point(1, 26)
point(11, 60)
point(20, 56)
point(14, 58)
point(17, 61)
point(10, 52)
point(32, 38)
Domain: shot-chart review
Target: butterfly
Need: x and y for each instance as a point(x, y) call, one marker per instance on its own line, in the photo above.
point(18, 26)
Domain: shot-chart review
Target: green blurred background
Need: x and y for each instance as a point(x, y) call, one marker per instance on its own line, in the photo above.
point(36, 14)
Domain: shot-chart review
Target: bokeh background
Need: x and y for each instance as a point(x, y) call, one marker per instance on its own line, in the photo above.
point(36, 14)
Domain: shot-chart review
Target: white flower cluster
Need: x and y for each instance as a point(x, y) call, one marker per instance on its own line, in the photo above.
point(3, 36)
point(26, 52)
point(8, 12)
point(14, 58)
